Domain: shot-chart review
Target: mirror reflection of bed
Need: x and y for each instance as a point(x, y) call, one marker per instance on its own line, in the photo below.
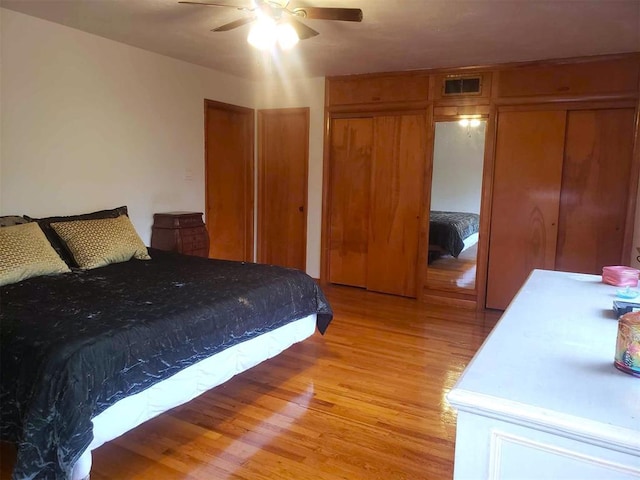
point(455, 204)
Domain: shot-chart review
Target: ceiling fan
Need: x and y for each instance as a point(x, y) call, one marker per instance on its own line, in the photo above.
point(280, 15)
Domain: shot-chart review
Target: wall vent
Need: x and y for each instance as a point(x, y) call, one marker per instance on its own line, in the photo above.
point(462, 86)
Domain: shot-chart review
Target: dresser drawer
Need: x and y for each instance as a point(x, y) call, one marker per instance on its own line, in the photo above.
point(177, 220)
point(182, 232)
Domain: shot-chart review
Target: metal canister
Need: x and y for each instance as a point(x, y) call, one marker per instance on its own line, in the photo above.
point(627, 356)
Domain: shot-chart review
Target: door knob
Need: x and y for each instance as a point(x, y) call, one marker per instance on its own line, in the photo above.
point(301, 208)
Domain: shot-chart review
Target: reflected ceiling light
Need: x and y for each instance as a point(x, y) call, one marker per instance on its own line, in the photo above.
point(469, 122)
point(265, 32)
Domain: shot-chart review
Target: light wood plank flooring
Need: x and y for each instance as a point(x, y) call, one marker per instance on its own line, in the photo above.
point(365, 401)
point(450, 272)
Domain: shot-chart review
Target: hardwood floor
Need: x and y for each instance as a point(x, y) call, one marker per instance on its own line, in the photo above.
point(365, 401)
point(450, 272)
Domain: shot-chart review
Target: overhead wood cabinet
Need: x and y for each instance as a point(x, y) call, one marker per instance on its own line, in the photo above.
point(561, 188)
point(376, 187)
point(559, 179)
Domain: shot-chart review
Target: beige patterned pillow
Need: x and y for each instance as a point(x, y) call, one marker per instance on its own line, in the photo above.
point(25, 252)
point(96, 243)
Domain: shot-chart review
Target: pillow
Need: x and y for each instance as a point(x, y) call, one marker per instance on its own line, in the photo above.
point(26, 253)
point(11, 220)
point(45, 224)
point(96, 243)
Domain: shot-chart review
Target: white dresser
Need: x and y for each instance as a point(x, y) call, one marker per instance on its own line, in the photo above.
point(542, 399)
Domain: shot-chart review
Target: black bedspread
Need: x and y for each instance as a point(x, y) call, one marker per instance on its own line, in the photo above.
point(72, 345)
point(448, 230)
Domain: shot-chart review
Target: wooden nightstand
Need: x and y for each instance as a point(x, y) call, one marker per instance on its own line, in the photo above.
point(182, 232)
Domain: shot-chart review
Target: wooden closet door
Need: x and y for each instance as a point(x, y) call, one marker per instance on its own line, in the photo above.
point(526, 196)
point(595, 189)
point(283, 156)
point(399, 157)
point(229, 137)
point(351, 145)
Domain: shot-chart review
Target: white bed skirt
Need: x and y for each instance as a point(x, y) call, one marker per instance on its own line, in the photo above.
point(470, 241)
point(187, 384)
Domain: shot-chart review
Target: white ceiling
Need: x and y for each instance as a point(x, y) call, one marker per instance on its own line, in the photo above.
point(394, 35)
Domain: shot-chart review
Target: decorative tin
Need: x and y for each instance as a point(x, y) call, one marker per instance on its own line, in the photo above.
point(628, 345)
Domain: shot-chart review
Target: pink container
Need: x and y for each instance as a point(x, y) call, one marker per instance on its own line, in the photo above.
point(620, 276)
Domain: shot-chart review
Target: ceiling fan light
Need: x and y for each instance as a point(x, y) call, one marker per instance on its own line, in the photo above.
point(263, 34)
point(287, 36)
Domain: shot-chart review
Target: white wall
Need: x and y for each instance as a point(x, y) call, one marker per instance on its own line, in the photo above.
point(88, 123)
point(458, 156)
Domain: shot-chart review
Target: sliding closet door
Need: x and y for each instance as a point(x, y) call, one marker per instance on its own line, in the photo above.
point(526, 195)
point(399, 157)
point(351, 144)
point(595, 189)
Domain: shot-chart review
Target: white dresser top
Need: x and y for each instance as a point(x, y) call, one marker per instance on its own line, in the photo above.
point(548, 364)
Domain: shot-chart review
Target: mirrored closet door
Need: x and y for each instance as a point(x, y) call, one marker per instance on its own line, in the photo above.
point(456, 192)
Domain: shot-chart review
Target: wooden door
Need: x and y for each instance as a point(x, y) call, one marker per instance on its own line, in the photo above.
point(283, 154)
point(595, 189)
point(526, 196)
point(350, 180)
point(229, 138)
point(398, 168)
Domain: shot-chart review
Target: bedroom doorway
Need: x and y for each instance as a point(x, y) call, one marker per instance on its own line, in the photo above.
point(456, 192)
point(229, 172)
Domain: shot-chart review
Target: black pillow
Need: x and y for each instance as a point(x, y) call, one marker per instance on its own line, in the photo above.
point(57, 243)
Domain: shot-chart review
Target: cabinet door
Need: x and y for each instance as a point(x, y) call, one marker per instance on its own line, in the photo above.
point(351, 143)
point(526, 196)
point(399, 156)
point(595, 189)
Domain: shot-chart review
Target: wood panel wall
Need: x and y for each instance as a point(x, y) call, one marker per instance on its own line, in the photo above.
point(530, 220)
point(538, 84)
point(595, 193)
point(351, 158)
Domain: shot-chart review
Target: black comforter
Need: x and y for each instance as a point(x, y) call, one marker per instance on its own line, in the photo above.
point(72, 345)
point(448, 230)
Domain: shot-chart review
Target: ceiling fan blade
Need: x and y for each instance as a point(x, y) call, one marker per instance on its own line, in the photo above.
point(302, 30)
point(235, 24)
point(329, 13)
point(214, 4)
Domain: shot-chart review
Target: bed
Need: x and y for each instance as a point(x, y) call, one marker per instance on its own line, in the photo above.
point(450, 233)
point(89, 354)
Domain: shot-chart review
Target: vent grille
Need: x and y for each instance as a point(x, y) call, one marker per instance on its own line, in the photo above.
point(462, 86)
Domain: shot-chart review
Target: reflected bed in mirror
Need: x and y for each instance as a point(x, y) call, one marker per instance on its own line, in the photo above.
point(454, 222)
